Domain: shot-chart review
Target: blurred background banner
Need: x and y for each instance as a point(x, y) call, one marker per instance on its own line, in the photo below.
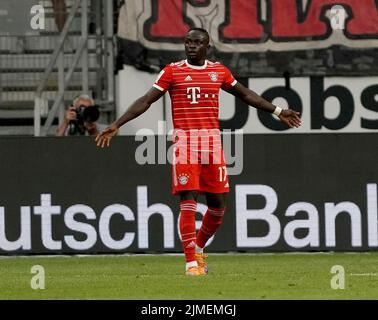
point(258, 38)
point(67, 196)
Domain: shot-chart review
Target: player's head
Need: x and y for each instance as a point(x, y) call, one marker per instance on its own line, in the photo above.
point(197, 42)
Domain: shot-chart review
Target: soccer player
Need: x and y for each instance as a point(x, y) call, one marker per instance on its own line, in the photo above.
point(193, 85)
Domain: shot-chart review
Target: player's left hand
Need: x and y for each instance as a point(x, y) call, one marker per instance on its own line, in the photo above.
point(291, 118)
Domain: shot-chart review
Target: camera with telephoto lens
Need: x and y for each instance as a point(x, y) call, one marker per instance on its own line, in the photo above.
point(83, 114)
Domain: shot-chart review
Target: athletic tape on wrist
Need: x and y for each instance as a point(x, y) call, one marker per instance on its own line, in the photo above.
point(277, 111)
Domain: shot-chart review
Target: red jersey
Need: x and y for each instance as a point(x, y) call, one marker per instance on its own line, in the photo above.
point(198, 161)
point(194, 92)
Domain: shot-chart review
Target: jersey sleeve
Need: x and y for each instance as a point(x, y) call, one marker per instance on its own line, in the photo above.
point(228, 81)
point(164, 79)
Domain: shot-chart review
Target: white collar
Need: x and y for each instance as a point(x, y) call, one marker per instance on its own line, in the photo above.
point(196, 67)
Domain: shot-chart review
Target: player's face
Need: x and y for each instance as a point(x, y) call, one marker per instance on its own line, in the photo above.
point(196, 46)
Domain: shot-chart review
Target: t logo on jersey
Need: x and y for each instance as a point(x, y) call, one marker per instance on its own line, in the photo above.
point(193, 93)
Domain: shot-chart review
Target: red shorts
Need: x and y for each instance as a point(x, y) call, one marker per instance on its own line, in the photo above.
point(203, 176)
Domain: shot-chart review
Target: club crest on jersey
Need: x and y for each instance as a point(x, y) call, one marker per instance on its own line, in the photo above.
point(213, 76)
point(183, 178)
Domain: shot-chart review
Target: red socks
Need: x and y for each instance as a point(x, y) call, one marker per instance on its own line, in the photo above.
point(210, 223)
point(188, 228)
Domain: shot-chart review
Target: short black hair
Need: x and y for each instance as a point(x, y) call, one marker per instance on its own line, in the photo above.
point(204, 31)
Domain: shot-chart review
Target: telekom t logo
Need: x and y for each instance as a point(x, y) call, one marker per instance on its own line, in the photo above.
point(193, 93)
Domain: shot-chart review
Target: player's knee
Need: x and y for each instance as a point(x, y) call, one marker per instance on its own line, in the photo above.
point(218, 201)
point(217, 205)
point(188, 195)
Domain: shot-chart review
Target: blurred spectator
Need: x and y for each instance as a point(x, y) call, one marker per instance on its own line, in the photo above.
point(81, 118)
point(60, 13)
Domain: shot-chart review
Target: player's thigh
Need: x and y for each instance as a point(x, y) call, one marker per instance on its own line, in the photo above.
point(214, 178)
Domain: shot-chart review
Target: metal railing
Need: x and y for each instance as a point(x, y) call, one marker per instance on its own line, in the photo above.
point(103, 67)
point(57, 58)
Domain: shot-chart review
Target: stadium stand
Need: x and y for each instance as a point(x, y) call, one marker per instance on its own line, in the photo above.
point(25, 55)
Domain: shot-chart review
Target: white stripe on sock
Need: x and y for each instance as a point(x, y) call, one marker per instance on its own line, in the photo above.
point(199, 249)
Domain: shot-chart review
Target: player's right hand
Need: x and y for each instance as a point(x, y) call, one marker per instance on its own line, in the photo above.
point(103, 138)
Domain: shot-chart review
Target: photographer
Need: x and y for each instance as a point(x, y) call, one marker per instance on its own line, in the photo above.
point(80, 119)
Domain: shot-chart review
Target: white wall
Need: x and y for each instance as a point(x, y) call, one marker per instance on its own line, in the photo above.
point(130, 85)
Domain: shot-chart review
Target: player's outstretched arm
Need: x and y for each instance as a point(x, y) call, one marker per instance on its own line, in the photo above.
point(287, 116)
point(138, 107)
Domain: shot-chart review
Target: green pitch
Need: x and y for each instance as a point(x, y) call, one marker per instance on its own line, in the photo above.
point(241, 276)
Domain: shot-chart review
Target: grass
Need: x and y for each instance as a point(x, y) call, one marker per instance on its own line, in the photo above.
point(232, 276)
